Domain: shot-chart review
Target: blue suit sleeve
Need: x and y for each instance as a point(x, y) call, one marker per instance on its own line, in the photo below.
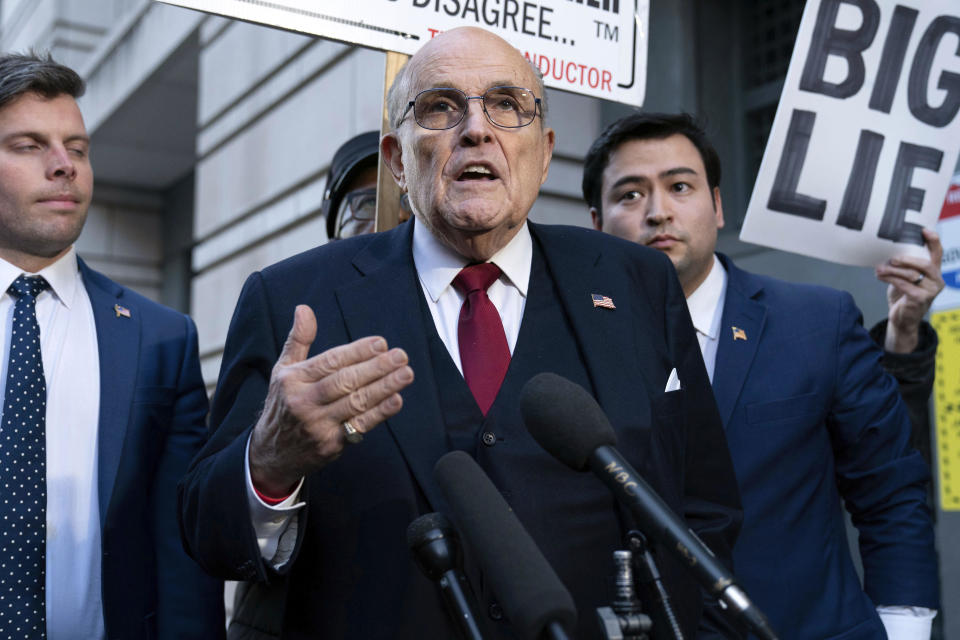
point(881, 478)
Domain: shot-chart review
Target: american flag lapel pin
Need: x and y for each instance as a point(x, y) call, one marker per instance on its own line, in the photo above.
point(739, 334)
point(122, 312)
point(602, 301)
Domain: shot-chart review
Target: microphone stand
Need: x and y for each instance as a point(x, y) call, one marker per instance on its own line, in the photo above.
point(649, 578)
point(623, 620)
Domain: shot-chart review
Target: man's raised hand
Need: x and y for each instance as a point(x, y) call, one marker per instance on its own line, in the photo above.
point(301, 427)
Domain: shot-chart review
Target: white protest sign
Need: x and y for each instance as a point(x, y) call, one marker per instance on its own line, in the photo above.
point(866, 135)
point(592, 47)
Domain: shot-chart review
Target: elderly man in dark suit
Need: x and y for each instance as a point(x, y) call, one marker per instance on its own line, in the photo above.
point(329, 493)
point(813, 422)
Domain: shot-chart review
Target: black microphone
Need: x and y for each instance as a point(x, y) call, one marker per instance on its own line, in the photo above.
point(565, 419)
point(436, 548)
point(535, 601)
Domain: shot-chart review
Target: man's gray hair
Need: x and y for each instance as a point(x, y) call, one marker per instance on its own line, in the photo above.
point(36, 73)
point(398, 96)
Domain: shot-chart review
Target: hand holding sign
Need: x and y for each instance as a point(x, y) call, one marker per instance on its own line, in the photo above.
point(914, 283)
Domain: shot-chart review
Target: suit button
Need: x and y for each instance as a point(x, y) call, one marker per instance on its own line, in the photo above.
point(489, 438)
point(495, 611)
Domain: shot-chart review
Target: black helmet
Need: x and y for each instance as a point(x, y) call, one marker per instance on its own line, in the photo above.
point(354, 155)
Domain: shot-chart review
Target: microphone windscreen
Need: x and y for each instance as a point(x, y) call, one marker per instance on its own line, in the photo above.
point(524, 583)
point(564, 419)
point(427, 528)
point(433, 542)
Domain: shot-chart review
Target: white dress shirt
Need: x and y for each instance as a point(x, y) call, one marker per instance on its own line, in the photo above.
point(706, 311)
point(71, 367)
point(437, 266)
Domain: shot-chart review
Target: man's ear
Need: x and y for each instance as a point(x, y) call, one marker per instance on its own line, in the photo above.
point(597, 219)
point(718, 207)
point(392, 154)
point(548, 142)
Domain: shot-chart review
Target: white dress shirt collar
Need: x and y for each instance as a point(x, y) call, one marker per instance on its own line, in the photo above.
point(61, 276)
point(705, 302)
point(437, 264)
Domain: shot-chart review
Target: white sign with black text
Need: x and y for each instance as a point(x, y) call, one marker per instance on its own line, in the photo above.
point(866, 135)
point(592, 47)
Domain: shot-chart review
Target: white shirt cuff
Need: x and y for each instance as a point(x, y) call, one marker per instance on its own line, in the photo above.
point(274, 525)
point(907, 623)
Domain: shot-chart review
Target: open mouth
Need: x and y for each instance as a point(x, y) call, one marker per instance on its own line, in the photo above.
point(477, 172)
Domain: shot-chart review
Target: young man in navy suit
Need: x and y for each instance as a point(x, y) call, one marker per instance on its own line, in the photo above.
point(98, 555)
point(813, 422)
point(326, 434)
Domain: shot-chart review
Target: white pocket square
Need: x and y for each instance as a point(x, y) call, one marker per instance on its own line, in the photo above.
point(673, 382)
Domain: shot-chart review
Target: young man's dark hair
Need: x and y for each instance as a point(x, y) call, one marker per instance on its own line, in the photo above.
point(35, 73)
point(644, 126)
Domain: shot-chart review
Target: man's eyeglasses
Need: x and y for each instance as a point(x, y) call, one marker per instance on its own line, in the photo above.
point(444, 108)
point(358, 211)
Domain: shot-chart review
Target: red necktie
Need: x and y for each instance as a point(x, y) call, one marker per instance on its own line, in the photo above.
point(484, 353)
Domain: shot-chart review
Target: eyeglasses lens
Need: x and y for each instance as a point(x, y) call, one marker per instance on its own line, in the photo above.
point(357, 213)
point(505, 106)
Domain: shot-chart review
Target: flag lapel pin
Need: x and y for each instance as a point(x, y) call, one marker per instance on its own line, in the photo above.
point(122, 312)
point(739, 334)
point(602, 301)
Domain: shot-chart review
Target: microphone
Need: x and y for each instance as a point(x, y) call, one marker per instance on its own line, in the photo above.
point(535, 601)
point(436, 548)
point(566, 421)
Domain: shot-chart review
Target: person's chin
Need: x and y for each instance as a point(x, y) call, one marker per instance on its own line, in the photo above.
point(56, 237)
point(476, 215)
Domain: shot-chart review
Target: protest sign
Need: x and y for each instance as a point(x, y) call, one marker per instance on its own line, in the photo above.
point(866, 135)
point(592, 47)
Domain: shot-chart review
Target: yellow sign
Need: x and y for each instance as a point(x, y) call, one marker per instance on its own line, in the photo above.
point(946, 394)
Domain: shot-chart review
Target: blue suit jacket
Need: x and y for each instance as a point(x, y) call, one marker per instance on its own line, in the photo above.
point(814, 423)
point(152, 410)
point(352, 575)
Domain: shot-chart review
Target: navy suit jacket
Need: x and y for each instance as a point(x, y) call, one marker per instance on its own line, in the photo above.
point(813, 423)
point(152, 410)
point(352, 575)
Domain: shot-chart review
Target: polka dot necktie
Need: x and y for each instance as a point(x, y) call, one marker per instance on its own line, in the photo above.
point(484, 353)
point(23, 479)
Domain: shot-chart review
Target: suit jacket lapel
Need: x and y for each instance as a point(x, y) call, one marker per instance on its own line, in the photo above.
point(734, 356)
point(606, 336)
point(386, 302)
point(118, 343)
